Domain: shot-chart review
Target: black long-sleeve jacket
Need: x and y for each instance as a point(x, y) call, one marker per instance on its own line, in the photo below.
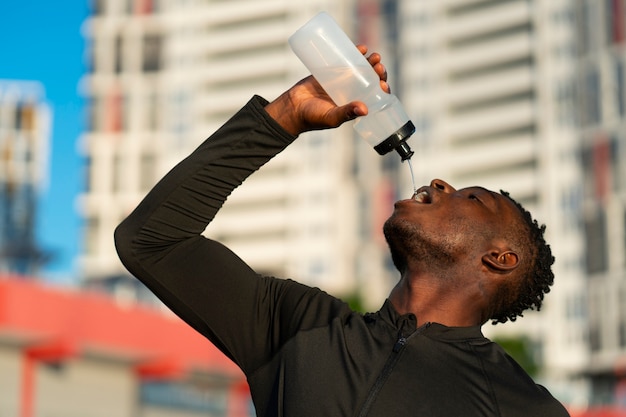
point(304, 352)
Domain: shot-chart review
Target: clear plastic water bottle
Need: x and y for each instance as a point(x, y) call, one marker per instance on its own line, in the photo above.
point(346, 75)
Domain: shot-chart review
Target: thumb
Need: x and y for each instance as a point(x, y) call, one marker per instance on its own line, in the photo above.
point(350, 111)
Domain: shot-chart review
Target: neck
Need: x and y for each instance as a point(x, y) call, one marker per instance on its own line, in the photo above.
point(436, 299)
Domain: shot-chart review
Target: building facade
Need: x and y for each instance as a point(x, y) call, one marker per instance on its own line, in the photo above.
point(602, 113)
point(490, 86)
point(25, 122)
point(164, 75)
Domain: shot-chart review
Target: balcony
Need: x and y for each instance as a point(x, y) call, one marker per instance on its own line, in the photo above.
point(487, 121)
point(489, 20)
point(490, 52)
point(489, 87)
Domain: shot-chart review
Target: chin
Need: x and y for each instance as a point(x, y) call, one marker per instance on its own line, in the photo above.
point(401, 232)
point(401, 237)
point(398, 256)
point(407, 240)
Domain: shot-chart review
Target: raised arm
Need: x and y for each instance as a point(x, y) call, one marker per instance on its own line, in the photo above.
point(203, 282)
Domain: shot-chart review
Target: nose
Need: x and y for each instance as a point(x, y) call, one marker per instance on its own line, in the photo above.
point(442, 185)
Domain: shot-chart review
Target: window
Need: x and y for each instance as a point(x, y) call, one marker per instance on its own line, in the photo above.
point(590, 36)
point(90, 55)
point(614, 21)
point(564, 97)
point(592, 98)
point(25, 117)
point(618, 82)
point(600, 167)
point(93, 114)
point(596, 242)
point(114, 111)
point(615, 147)
point(118, 54)
point(179, 104)
point(622, 317)
point(152, 51)
point(624, 243)
point(576, 307)
point(87, 168)
point(596, 301)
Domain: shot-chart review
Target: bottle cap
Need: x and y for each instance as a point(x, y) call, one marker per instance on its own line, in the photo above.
point(387, 128)
point(397, 141)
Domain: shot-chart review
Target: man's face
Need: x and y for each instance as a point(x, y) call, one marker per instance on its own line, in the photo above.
point(440, 224)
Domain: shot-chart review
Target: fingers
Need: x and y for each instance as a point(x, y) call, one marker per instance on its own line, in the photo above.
point(374, 58)
point(385, 87)
point(380, 69)
point(375, 61)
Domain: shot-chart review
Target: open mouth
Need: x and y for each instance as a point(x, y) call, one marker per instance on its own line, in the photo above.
point(422, 197)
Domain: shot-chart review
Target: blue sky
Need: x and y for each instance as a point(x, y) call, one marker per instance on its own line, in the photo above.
point(41, 40)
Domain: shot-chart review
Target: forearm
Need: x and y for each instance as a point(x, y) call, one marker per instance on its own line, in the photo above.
point(160, 242)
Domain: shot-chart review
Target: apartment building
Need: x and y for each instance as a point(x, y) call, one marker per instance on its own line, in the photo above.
point(165, 74)
point(497, 90)
point(25, 121)
point(602, 114)
point(490, 86)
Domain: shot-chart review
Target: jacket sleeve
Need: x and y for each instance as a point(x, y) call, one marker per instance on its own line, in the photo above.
point(246, 316)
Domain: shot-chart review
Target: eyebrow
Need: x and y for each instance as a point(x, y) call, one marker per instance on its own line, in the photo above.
point(492, 194)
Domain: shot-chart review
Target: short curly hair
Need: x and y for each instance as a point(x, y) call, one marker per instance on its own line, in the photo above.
point(536, 276)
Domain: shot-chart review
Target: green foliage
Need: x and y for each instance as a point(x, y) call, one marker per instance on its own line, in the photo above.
point(355, 301)
point(523, 351)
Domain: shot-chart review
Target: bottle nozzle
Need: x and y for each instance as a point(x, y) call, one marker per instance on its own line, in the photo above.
point(397, 141)
point(404, 150)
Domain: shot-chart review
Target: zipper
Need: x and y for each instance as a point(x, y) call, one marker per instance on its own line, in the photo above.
point(399, 345)
point(392, 360)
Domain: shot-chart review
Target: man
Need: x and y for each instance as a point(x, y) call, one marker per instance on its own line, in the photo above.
point(464, 256)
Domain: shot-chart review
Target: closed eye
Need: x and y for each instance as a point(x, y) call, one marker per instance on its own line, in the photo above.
point(483, 196)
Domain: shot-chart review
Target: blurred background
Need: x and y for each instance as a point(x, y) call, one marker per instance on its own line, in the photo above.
point(99, 98)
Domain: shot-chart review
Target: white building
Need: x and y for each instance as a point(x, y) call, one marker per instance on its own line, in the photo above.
point(166, 74)
point(487, 83)
point(490, 87)
point(602, 97)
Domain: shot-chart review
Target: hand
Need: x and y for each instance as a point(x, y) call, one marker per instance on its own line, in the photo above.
point(306, 106)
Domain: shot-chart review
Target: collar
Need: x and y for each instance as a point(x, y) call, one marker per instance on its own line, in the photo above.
point(401, 322)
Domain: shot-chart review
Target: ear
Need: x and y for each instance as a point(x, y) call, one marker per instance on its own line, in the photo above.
point(502, 262)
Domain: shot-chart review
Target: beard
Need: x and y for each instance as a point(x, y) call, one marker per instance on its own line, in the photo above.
point(409, 243)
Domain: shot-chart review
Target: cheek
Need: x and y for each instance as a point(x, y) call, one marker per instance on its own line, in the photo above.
point(468, 234)
point(458, 223)
point(471, 218)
